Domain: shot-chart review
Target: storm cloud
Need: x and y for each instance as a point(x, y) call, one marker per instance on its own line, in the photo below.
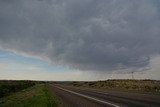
point(89, 35)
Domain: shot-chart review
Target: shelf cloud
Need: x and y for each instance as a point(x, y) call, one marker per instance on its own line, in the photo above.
point(89, 35)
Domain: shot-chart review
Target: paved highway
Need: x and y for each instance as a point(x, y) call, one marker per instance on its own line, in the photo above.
point(82, 97)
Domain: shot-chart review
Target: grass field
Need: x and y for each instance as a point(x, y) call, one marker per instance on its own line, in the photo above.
point(147, 86)
point(36, 96)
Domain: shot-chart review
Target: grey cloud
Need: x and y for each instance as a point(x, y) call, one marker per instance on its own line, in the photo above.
point(92, 35)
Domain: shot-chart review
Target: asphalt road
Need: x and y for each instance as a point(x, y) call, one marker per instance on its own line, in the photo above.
point(82, 97)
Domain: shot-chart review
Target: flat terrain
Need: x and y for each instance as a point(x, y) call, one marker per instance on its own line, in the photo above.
point(108, 93)
point(85, 97)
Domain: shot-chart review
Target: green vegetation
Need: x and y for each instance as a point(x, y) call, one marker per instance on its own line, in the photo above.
point(7, 86)
point(36, 96)
point(150, 86)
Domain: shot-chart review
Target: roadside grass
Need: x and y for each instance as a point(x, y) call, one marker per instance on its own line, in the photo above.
point(8, 87)
point(36, 96)
point(142, 86)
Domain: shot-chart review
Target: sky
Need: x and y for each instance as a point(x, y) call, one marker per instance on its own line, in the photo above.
point(65, 40)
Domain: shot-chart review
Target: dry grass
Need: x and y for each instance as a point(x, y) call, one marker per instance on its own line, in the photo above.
point(152, 86)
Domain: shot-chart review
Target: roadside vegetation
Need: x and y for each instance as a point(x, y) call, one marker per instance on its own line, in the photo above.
point(148, 86)
point(8, 87)
point(36, 96)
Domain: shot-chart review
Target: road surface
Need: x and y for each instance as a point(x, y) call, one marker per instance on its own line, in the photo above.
point(82, 97)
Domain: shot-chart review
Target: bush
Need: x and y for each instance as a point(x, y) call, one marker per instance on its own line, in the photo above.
point(147, 88)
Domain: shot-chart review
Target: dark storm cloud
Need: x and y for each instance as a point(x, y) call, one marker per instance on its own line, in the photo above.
point(97, 35)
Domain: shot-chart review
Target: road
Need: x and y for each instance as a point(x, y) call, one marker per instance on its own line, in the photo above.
point(83, 97)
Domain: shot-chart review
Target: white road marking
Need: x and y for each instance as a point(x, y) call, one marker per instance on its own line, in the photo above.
point(101, 101)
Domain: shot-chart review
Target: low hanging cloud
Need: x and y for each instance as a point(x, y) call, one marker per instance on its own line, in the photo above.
point(89, 35)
